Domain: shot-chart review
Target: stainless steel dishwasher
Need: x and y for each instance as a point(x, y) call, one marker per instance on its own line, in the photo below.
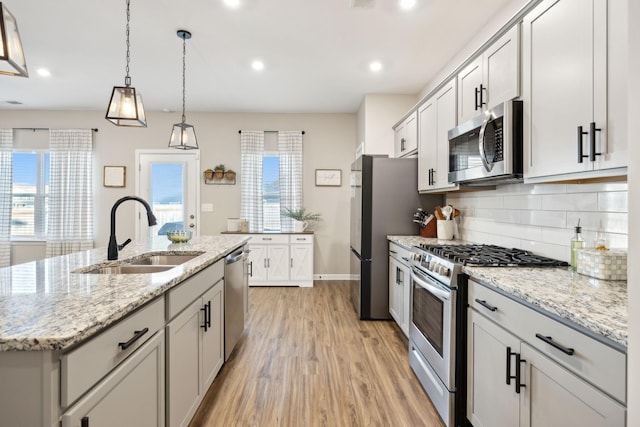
point(234, 295)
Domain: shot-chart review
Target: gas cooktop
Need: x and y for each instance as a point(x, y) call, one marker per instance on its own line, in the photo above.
point(491, 256)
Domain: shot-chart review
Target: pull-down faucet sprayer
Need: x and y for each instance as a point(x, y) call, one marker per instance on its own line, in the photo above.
point(114, 247)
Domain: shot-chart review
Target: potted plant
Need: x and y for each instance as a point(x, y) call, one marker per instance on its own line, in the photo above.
point(208, 174)
point(301, 218)
point(229, 174)
point(219, 171)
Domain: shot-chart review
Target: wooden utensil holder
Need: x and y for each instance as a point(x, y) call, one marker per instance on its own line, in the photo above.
point(430, 230)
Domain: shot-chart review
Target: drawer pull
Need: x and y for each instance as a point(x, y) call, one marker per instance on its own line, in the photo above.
point(84, 422)
point(301, 238)
point(393, 252)
point(136, 336)
point(266, 238)
point(552, 343)
point(485, 305)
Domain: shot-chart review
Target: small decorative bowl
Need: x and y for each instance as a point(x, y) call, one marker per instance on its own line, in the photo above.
point(182, 236)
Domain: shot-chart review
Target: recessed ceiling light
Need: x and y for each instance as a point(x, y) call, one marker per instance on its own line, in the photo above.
point(232, 3)
point(407, 4)
point(257, 65)
point(375, 66)
point(43, 72)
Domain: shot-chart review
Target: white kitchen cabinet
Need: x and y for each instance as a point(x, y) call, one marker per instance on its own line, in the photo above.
point(131, 395)
point(281, 260)
point(406, 136)
point(492, 78)
point(435, 117)
point(567, 378)
point(566, 71)
point(399, 286)
point(195, 342)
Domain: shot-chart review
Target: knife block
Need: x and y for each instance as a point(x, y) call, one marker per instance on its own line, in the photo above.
point(430, 230)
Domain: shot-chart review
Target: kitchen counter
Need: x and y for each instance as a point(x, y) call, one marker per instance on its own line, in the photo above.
point(597, 306)
point(45, 306)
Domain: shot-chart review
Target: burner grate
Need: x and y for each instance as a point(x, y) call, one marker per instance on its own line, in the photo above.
point(491, 256)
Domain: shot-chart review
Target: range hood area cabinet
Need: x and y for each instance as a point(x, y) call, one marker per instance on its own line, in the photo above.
point(574, 90)
point(435, 117)
point(406, 137)
point(492, 78)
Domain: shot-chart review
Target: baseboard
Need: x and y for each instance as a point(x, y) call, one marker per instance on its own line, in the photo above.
point(334, 277)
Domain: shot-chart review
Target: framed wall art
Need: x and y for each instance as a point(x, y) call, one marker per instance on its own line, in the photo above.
point(114, 176)
point(328, 177)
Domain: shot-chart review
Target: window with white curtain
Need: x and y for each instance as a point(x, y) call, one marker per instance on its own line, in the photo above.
point(30, 190)
point(271, 178)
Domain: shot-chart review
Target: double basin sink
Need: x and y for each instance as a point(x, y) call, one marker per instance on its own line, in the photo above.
point(144, 264)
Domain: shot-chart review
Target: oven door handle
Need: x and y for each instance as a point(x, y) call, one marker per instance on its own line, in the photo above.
point(435, 290)
point(483, 155)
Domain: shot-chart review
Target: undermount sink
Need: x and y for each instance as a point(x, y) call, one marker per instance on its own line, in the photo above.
point(130, 269)
point(163, 259)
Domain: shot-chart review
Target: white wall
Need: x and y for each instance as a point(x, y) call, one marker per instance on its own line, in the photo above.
point(328, 144)
point(541, 218)
point(377, 116)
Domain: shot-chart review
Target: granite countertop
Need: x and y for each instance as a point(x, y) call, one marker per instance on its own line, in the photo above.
point(599, 306)
point(44, 305)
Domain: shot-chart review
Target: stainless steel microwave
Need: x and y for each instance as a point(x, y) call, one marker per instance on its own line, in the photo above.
point(488, 148)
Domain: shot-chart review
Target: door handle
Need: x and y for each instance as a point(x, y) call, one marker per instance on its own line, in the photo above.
point(477, 104)
point(580, 134)
point(483, 90)
point(592, 141)
point(552, 343)
point(485, 305)
point(136, 336)
point(192, 225)
point(251, 269)
point(205, 325)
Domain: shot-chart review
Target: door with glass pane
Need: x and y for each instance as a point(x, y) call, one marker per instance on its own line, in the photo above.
point(168, 180)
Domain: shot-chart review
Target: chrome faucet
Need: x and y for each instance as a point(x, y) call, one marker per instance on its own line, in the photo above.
point(114, 247)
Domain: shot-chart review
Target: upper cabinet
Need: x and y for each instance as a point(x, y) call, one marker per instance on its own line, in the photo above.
point(435, 117)
point(574, 72)
point(406, 137)
point(492, 78)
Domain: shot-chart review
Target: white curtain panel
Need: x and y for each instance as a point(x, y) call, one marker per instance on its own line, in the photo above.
point(251, 153)
point(290, 152)
point(70, 218)
point(6, 179)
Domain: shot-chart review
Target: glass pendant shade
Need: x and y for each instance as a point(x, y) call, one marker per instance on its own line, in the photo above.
point(12, 61)
point(183, 137)
point(125, 107)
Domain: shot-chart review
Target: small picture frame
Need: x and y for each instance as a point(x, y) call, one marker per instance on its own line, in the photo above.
point(328, 177)
point(114, 176)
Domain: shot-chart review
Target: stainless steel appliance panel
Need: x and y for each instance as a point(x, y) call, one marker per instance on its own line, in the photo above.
point(234, 299)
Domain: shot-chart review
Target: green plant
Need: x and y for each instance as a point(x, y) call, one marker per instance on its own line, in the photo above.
point(219, 167)
point(300, 214)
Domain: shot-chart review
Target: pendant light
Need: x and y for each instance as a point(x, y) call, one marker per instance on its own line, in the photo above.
point(183, 135)
point(12, 62)
point(125, 106)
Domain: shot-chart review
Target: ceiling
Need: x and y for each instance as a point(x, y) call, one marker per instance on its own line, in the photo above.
point(316, 52)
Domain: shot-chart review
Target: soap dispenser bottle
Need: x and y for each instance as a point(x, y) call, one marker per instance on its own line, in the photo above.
point(577, 242)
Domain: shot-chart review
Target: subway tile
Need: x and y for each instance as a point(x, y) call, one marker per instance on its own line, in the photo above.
point(557, 236)
point(615, 201)
point(562, 253)
point(556, 219)
point(546, 188)
point(523, 202)
point(603, 222)
point(570, 202)
point(597, 187)
point(498, 215)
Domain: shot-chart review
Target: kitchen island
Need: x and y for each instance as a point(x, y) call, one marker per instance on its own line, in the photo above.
point(54, 316)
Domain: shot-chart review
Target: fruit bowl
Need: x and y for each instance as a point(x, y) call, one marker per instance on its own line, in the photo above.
point(182, 236)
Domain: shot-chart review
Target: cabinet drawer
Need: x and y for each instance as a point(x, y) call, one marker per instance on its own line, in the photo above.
point(269, 238)
point(179, 297)
point(300, 239)
point(400, 253)
point(594, 361)
point(83, 367)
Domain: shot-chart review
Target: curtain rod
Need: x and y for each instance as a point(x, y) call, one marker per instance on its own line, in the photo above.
point(269, 131)
point(35, 129)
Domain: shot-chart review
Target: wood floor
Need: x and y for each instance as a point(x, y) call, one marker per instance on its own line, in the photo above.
point(306, 360)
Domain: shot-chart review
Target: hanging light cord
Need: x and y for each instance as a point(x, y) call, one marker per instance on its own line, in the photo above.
point(127, 79)
point(184, 54)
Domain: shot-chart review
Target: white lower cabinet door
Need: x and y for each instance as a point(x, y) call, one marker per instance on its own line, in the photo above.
point(212, 335)
point(491, 402)
point(301, 262)
point(278, 262)
point(183, 373)
point(555, 397)
point(258, 262)
point(395, 292)
point(131, 395)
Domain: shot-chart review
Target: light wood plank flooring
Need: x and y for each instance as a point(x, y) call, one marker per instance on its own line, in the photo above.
point(306, 360)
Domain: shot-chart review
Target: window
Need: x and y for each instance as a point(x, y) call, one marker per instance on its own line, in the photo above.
point(271, 191)
point(30, 191)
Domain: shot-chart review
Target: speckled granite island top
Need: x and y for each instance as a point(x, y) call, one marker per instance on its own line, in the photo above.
point(45, 306)
point(599, 306)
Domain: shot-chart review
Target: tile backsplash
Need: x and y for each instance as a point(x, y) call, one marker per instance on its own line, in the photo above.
point(541, 217)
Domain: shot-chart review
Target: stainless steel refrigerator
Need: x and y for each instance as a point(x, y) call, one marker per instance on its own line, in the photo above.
point(384, 197)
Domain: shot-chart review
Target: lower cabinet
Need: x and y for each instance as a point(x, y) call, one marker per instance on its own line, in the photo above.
point(131, 395)
point(511, 382)
point(399, 286)
point(195, 342)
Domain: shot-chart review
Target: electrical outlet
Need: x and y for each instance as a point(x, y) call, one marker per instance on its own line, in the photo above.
point(207, 207)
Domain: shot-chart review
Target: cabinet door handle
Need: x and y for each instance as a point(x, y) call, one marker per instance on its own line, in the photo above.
point(136, 336)
point(401, 144)
point(580, 134)
point(477, 104)
point(509, 376)
point(518, 378)
point(251, 269)
point(485, 305)
point(291, 262)
point(552, 343)
point(401, 275)
point(84, 422)
point(265, 263)
point(592, 141)
point(205, 325)
point(268, 262)
point(483, 90)
point(397, 275)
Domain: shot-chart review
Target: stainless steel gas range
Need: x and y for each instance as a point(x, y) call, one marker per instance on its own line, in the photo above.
point(437, 332)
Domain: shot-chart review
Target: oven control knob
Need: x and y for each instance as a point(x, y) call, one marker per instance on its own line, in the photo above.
point(443, 271)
